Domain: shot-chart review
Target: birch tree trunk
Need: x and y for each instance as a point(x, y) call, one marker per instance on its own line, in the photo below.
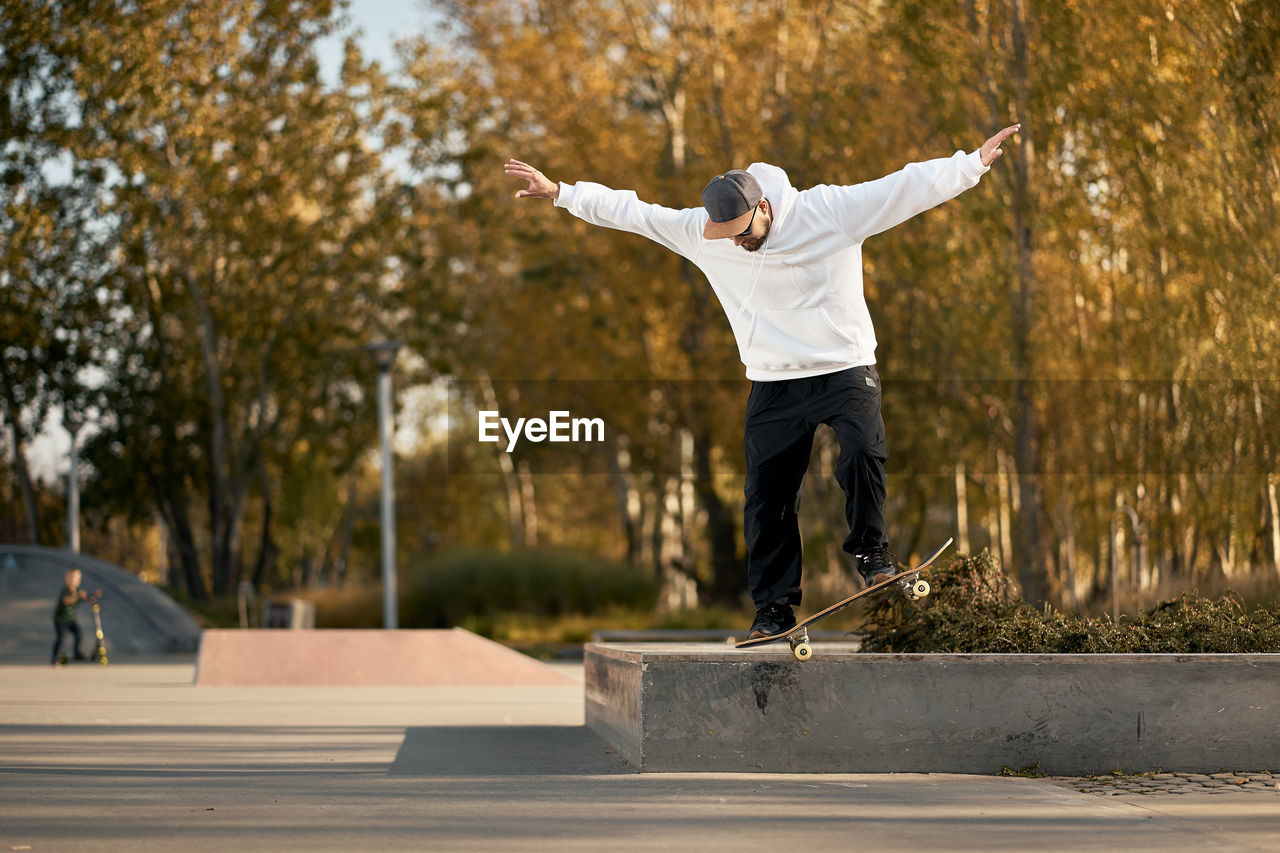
point(511, 482)
point(1274, 505)
point(962, 511)
point(528, 504)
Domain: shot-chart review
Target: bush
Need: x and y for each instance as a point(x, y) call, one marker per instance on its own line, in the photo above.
point(348, 607)
point(974, 608)
point(477, 589)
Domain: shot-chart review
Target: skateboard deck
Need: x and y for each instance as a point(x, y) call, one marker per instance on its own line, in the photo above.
point(798, 636)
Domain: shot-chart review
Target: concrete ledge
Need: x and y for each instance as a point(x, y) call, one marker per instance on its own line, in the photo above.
point(705, 708)
point(448, 658)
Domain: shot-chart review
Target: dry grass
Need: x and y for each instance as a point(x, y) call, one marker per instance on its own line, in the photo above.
point(975, 608)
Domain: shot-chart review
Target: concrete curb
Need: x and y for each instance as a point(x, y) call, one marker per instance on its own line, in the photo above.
point(708, 709)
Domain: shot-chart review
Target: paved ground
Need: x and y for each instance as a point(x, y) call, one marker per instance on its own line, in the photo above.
point(135, 758)
point(1122, 784)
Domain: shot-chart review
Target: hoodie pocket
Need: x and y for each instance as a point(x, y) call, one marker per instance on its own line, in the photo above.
point(799, 339)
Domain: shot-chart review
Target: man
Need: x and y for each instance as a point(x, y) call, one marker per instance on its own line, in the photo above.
point(787, 268)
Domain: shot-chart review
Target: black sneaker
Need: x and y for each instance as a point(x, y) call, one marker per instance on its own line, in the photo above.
point(876, 565)
point(771, 620)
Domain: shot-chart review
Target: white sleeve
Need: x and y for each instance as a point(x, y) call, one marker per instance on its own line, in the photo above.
point(861, 210)
point(678, 230)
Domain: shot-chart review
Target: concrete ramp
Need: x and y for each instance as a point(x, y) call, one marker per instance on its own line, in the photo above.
point(138, 619)
point(447, 658)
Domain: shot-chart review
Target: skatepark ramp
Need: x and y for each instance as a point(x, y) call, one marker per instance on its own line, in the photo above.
point(702, 707)
point(138, 619)
point(407, 658)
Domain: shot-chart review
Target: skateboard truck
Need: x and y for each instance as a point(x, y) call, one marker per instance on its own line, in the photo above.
point(800, 645)
point(914, 587)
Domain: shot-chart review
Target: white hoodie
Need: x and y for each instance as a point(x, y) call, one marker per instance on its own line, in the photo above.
point(796, 305)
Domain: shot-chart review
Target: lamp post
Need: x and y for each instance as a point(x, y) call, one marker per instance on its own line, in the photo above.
point(72, 425)
point(385, 354)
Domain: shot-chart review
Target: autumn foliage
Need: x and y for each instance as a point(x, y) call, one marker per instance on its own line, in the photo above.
point(200, 234)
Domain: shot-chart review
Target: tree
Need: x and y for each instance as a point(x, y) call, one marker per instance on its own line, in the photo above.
point(52, 234)
point(253, 217)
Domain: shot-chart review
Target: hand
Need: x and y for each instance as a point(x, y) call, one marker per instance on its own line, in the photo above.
point(539, 185)
point(990, 150)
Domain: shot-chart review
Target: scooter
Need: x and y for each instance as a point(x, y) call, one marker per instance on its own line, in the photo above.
point(101, 651)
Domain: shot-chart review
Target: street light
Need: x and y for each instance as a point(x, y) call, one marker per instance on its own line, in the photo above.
point(72, 425)
point(385, 354)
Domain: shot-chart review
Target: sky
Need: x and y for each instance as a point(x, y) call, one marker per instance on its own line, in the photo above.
point(381, 24)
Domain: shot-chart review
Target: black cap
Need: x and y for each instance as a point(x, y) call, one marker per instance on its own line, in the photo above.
point(730, 200)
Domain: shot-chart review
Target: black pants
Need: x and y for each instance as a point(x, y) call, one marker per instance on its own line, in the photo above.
point(781, 420)
point(62, 628)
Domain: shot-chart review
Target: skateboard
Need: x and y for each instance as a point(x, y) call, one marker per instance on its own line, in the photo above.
point(798, 636)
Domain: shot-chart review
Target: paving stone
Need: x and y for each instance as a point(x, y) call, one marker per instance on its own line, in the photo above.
point(1110, 785)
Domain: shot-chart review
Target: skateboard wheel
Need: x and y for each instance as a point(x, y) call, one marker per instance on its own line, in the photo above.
point(803, 652)
point(919, 589)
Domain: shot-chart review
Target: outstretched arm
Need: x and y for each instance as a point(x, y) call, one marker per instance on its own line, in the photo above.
point(539, 185)
point(875, 206)
point(678, 230)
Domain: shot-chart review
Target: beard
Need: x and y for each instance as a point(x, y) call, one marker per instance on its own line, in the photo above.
point(753, 244)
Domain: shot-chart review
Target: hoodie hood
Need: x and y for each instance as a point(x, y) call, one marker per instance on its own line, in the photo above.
point(777, 189)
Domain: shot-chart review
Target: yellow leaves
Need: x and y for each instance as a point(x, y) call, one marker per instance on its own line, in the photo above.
point(305, 210)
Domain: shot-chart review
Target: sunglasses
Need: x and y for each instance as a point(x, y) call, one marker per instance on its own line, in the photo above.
point(747, 233)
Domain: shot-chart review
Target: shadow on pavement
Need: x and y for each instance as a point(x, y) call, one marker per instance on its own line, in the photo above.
point(166, 752)
point(505, 751)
